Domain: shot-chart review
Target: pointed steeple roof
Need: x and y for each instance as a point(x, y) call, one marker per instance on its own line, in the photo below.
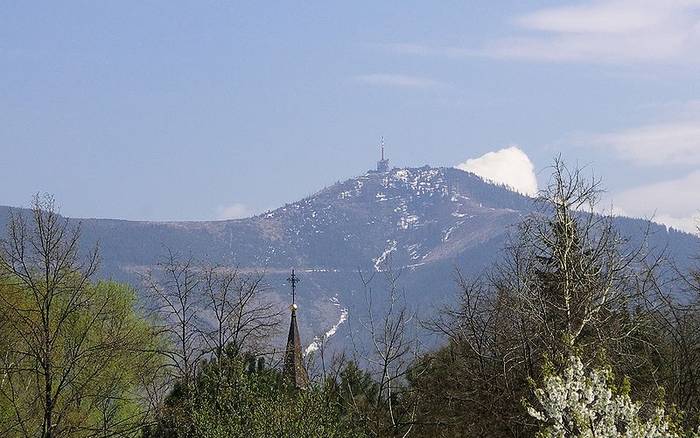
point(294, 369)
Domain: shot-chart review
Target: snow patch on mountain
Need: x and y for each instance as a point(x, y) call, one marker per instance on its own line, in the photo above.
point(382, 258)
point(318, 341)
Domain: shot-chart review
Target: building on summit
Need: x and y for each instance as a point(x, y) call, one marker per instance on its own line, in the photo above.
point(294, 370)
point(383, 164)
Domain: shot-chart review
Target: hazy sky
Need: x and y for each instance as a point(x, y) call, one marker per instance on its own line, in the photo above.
point(165, 110)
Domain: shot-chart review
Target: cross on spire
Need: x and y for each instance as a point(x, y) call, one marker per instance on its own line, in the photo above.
point(294, 369)
point(293, 280)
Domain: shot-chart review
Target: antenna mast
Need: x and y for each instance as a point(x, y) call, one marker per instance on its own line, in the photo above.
point(383, 164)
point(382, 143)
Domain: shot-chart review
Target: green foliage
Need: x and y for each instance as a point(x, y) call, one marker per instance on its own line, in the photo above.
point(460, 395)
point(363, 405)
point(357, 392)
point(101, 359)
point(239, 397)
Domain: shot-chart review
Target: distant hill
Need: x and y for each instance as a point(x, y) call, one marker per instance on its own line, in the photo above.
point(427, 221)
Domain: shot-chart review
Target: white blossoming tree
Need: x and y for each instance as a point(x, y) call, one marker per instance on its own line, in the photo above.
point(583, 404)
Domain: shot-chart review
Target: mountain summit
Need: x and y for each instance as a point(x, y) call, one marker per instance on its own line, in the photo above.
point(416, 215)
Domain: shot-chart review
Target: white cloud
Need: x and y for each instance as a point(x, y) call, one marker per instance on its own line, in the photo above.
point(233, 211)
point(656, 144)
point(607, 31)
point(599, 31)
point(398, 80)
point(673, 139)
point(510, 166)
point(608, 17)
point(675, 203)
point(425, 50)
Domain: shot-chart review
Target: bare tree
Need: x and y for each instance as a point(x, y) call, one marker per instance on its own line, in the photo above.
point(64, 336)
point(208, 311)
point(241, 318)
point(174, 289)
point(578, 278)
point(473, 386)
point(674, 311)
point(388, 326)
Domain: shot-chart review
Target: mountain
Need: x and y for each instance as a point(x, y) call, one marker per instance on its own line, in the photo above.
point(422, 222)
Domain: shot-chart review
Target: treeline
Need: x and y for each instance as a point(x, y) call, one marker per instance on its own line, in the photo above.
point(575, 332)
point(569, 290)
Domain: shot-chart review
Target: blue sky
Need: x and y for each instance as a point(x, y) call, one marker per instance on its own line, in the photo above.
point(162, 110)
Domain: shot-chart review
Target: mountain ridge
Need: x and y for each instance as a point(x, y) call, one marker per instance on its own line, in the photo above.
point(425, 221)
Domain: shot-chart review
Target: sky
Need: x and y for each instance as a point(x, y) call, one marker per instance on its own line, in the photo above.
point(168, 110)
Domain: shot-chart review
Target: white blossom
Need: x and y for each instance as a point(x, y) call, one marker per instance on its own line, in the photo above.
point(582, 404)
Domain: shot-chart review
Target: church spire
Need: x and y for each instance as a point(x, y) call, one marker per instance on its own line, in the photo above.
point(294, 369)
